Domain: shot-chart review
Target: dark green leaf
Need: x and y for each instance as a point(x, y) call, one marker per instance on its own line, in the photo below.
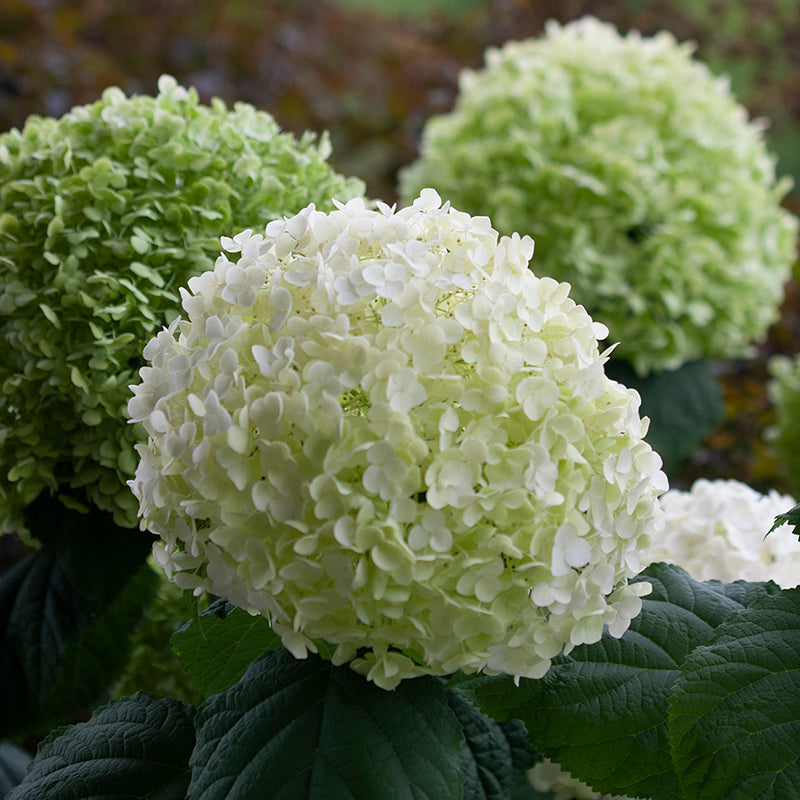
point(494, 756)
point(522, 755)
point(138, 747)
point(40, 613)
point(684, 406)
point(735, 709)
point(601, 711)
point(93, 661)
point(96, 555)
point(791, 517)
point(297, 730)
point(65, 614)
point(216, 648)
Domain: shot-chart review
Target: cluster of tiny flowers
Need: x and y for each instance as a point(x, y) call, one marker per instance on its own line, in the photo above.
point(718, 531)
point(102, 214)
point(639, 176)
point(379, 429)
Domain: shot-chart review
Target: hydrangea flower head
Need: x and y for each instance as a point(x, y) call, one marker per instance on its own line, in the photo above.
point(103, 213)
point(718, 531)
point(638, 175)
point(379, 429)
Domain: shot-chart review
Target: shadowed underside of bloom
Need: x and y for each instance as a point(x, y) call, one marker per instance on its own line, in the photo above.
point(380, 429)
point(639, 176)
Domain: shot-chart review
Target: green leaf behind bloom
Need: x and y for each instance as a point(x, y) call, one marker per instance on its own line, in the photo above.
point(684, 406)
point(735, 709)
point(304, 729)
point(217, 647)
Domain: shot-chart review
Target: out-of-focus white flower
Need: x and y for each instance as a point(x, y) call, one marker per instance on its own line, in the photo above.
point(640, 177)
point(403, 443)
point(718, 530)
point(547, 776)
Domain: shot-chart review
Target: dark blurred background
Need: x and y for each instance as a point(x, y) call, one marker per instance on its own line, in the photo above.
point(372, 71)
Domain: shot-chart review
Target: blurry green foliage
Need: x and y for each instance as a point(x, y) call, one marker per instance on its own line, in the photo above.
point(371, 80)
point(408, 8)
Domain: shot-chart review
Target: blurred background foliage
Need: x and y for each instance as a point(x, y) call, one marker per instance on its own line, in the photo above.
point(372, 71)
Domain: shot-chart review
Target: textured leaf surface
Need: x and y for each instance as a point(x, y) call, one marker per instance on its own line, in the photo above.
point(137, 747)
point(494, 756)
point(684, 406)
point(601, 712)
point(39, 613)
point(304, 729)
point(65, 615)
point(217, 647)
point(735, 711)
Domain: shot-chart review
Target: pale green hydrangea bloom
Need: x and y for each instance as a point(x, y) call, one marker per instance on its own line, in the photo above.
point(638, 175)
point(103, 214)
point(381, 430)
point(718, 531)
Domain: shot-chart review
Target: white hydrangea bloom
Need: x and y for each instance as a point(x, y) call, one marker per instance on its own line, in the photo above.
point(640, 177)
point(381, 430)
point(718, 530)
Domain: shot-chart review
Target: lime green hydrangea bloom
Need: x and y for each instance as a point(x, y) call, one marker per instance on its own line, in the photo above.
point(381, 430)
point(103, 214)
point(639, 177)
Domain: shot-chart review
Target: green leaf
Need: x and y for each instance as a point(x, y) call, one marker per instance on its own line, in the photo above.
point(95, 659)
point(601, 712)
point(97, 555)
point(791, 517)
point(494, 756)
point(65, 613)
point(292, 730)
point(684, 406)
point(137, 747)
point(40, 612)
point(735, 709)
point(216, 648)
